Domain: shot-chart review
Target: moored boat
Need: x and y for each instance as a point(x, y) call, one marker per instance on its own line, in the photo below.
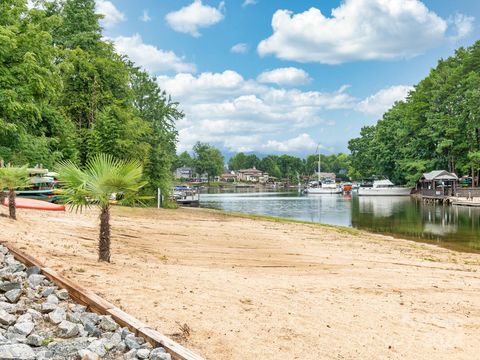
point(383, 188)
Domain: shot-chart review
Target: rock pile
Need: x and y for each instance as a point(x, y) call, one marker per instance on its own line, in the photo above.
point(38, 321)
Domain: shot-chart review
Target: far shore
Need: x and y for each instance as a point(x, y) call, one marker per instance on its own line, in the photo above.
point(254, 287)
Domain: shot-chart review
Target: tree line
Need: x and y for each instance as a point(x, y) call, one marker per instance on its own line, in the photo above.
point(436, 128)
point(65, 94)
point(207, 159)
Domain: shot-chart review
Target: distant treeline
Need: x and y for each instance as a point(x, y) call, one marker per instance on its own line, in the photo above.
point(437, 127)
point(66, 94)
point(280, 166)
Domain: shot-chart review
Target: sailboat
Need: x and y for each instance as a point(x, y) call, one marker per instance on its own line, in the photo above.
point(322, 186)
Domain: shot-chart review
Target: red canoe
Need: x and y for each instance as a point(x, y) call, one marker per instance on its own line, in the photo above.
point(24, 203)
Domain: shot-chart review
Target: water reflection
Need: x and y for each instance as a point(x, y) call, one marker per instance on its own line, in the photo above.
point(450, 226)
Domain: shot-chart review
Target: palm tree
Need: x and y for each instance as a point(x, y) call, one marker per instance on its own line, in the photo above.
point(104, 178)
point(12, 178)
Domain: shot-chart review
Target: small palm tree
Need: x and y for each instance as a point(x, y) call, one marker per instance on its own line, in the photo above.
point(103, 179)
point(12, 178)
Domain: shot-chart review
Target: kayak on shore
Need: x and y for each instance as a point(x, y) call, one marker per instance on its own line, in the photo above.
point(25, 203)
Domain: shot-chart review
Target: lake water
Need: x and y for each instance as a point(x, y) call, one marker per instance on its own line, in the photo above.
point(454, 227)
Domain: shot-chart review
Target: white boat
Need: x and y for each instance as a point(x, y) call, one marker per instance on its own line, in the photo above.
point(327, 186)
point(383, 188)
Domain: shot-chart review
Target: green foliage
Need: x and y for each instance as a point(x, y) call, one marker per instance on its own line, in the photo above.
point(65, 94)
point(242, 161)
point(437, 127)
point(208, 160)
point(103, 178)
point(14, 177)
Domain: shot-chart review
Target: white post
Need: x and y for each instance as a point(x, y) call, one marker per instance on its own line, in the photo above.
point(159, 196)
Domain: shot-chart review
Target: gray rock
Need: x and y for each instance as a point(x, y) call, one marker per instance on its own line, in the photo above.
point(62, 294)
point(27, 317)
point(131, 342)
point(74, 317)
point(48, 291)
point(34, 313)
point(13, 295)
point(35, 340)
point(91, 329)
point(68, 348)
point(33, 270)
point(24, 328)
point(99, 347)
point(48, 307)
point(16, 352)
point(35, 280)
point(159, 354)
point(79, 308)
point(86, 354)
point(125, 332)
point(9, 308)
point(143, 353)
point(132, 354)
point(67, 329)
point(57, 315)
point(10, 285)
point(52, 299)
point(44, 355)
point(107, 323)
point(89, 317)
point(6, 318)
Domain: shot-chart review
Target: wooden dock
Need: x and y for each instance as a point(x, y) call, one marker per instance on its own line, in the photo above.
point(475, 202)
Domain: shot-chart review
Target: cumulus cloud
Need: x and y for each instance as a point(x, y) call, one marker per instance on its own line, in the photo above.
point(240, 48)
point(380, 102)
point(357, 30)
point(285, 76)
point(112, 16)
point(463, 25)
point(189, 19)
point(145, 16)
point(241, 114)
point(301, 142)
point(150, 57)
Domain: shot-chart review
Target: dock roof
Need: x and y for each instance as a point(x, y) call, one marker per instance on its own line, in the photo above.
point(439, 175)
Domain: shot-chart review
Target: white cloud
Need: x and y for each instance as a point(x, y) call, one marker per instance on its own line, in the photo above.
point(240, 48)
point(356, 30)
point(150, 57)
point(189, 19)
point(249, 2)
point(379, 103)
point(112, 15)
point(285, 76)
point(302, 142)
point(145, 16)
point(463, 25)
point(241, 114)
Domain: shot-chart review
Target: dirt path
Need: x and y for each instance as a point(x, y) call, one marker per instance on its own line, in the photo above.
point(254, 289)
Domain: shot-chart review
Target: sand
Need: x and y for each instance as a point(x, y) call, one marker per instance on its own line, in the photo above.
point(257, 289)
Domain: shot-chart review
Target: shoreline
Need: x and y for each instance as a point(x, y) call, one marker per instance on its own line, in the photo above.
point(347, 230)
point(267, 288)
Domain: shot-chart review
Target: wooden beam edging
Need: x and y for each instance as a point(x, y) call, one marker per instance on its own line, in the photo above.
point(99, 305)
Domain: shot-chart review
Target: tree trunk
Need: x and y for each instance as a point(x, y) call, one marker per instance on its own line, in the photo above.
point(11, 204)
point(104, 241)
point(2, 196)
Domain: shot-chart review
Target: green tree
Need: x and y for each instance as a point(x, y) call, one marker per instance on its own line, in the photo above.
point(102, 179)
point(12, 178)
point(183, 159)
point(208, 160)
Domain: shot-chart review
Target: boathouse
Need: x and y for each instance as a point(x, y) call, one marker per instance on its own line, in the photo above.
point(437, 184)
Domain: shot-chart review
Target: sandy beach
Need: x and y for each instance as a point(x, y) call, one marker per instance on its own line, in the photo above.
point(258, 289)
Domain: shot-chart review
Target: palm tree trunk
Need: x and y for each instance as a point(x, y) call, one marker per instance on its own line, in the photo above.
point(104, 241)
point(11, 204)
point(2, 196)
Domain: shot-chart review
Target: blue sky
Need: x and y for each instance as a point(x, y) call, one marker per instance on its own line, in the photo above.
point(281, 76)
